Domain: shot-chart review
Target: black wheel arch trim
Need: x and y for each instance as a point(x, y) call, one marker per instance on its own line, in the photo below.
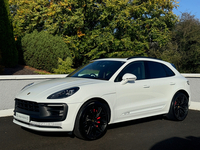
point(179, 91)
point(99, 100)
point(184, 92)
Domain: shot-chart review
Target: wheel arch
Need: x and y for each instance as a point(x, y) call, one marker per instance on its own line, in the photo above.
point(77, 128)
point(171, 113)
point(184, 92)
point(179, 91)
point(99, 100)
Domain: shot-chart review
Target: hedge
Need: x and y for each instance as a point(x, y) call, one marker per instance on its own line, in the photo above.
point(42, 50)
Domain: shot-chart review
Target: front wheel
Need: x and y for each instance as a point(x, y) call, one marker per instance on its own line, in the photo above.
point(179, 107)
point(91, 121)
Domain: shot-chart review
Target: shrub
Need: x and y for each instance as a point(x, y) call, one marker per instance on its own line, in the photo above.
point(64, 66)
point(7, 42)
point(42, 50)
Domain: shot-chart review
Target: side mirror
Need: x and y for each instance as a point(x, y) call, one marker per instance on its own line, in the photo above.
point(128, 77)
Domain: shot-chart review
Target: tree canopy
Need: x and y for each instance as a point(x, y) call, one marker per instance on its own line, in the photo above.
point(98, 28)
point(184, 48)
point(8, 49)
point(187, 37)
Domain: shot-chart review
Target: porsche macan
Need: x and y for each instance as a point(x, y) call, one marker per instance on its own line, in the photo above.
point(103, 92)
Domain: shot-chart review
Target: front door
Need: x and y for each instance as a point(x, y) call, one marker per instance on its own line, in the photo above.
point(132, 98)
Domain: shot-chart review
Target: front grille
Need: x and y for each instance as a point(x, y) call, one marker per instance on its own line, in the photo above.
point(42, 112)
point(27, 105)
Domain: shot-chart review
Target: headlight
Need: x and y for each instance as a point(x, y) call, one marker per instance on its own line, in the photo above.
point(27, 86)
point(64, 93)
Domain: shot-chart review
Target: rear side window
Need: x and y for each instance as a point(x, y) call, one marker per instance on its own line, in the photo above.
point(168, 71)
point(157, 70)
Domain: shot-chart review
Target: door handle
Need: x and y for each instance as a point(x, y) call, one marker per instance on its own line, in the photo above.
point(146, 86)
point(172, 83)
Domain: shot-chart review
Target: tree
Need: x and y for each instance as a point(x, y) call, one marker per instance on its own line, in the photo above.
point(187, 36)
point(7, 44)
point(1, 66)
point(184, 48)
point(98, 28)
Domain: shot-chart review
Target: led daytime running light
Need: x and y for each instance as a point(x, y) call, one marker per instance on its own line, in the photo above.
point(64, 93)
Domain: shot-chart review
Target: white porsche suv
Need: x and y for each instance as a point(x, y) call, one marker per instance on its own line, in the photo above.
point(103, 92)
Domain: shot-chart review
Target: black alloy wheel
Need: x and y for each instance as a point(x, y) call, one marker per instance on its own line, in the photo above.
point(92, 121)
point(179, 107)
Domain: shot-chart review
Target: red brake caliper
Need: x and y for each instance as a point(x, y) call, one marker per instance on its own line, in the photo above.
point(98, 121)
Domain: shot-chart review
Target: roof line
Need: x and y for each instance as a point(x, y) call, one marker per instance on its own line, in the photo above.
point(141, 57)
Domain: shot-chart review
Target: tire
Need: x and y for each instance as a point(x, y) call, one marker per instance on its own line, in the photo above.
point(92, 121)
point(179, 107)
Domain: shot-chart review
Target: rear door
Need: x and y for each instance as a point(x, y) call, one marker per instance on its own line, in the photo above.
point(162, 85)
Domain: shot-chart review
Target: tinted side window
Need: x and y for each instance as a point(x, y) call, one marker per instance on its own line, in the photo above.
point(136, 68)
point(168, 71)
point(155, 70)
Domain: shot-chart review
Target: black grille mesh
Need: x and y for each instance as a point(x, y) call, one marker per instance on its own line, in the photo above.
point(27, 105)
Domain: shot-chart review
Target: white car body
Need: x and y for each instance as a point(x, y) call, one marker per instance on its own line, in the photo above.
point(126, 101)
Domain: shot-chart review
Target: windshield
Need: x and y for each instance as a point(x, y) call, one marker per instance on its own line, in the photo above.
point(102, 70)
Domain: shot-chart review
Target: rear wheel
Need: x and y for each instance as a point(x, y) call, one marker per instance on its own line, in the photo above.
point(179, 107)
point(91, 121)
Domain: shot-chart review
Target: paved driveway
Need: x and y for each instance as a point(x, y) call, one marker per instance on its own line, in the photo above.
point(153, 133)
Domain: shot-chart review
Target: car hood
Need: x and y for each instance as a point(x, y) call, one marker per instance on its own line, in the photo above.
point(48, 87)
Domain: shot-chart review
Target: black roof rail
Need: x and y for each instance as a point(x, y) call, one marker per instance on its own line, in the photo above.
point(141, 57)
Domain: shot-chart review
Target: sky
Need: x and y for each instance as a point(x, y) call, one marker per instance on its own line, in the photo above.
point(190, 6)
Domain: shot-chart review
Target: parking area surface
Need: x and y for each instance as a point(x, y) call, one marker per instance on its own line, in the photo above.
point(154, 133)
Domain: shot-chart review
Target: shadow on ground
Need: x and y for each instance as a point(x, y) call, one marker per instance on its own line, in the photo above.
point(51, 134)
point(112, 126)
point(137, 121)
point(176, 143)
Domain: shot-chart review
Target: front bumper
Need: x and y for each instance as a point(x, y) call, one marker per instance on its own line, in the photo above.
point(40, 126)
point(45, 116)
point(41, 112)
